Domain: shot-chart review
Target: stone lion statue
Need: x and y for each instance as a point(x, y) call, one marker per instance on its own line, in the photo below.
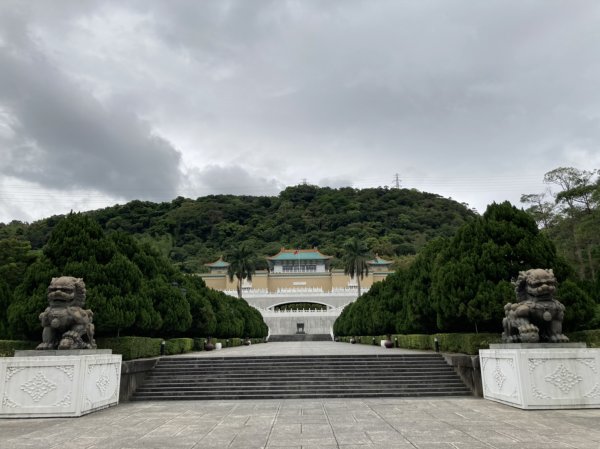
point(67, 325)
point(537, 317)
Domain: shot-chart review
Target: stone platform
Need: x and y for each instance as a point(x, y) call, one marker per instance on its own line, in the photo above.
point(58, 383)
point(390, 423)
point(542, 376)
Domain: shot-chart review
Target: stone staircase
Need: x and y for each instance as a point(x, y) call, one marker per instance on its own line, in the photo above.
point(299, 337)
point(361, 376)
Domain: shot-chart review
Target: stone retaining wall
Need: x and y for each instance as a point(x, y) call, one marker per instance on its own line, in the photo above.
point(469, 370)
point(133, 374)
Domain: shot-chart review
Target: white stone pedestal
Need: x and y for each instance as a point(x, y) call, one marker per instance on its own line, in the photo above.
point(541, 376)
point(36, 384)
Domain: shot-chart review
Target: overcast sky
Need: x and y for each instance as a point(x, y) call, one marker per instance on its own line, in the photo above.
point(105, 102)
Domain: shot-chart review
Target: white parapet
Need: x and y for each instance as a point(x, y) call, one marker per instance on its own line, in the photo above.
point(541, 376)
point(38, 384)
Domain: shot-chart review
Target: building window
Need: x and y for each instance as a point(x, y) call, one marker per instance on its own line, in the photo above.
point(303, 268)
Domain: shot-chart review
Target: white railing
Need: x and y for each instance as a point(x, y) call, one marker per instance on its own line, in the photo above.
point(298, 310)
point(287, 292)
point(266, 313)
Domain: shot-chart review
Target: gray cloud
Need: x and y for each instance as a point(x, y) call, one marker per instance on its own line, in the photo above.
point(335, 182)
point(474, 100)
point(233, 179)
point(62, 137)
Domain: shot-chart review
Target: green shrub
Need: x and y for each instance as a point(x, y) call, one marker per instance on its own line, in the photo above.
point(590, 337)
point(462, 343)
point(8, 347)
point(414, 341)
point(179, 346)
point(465, 343)
point(131, 347)
point(140, 347)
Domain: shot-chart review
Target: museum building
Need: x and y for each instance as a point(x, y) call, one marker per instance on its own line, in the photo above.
point(296, 270)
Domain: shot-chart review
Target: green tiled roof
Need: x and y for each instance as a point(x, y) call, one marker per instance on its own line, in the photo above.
point(379, 261)
point(300, 254)
point(218, 264)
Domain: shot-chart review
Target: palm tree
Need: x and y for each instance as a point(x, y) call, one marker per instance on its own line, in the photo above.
point(356, 256)
point(241, 265)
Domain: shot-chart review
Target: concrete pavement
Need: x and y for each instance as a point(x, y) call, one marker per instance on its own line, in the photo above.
point(426, 423)
point(465, 423)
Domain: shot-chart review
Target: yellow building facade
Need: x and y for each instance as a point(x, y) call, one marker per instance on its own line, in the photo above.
point(296, 270)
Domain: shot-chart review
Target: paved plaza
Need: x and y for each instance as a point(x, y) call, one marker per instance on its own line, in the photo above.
point(426, 423)
point(306, 348)
point(466, 423)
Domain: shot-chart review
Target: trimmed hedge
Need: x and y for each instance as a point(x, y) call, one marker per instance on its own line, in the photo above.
point(136, 347)
point(461, 343)
point(590, 337)
point(142, 347)
point(178, 346)
point(131, 347)
point(8, 347)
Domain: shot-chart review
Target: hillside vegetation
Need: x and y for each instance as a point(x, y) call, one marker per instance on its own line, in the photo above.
point(393, 223)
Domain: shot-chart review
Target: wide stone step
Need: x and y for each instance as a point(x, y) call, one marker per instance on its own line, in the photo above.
point(292, 377)
point(303, 363)
point(304, 371)
point(291, 364)
point(285, 394)
point(301, 377)
point(301, 366)
point(306, 386)
point(302, 374)
point(358, 358)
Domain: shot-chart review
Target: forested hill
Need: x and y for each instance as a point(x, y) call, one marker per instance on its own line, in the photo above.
point(393, 222)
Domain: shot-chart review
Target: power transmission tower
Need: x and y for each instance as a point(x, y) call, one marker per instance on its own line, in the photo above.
point(397, 181)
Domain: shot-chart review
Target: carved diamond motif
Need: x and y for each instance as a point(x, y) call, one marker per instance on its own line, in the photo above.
point(65, 402)
point(538, 394)
point(534, 363)
point(499, 377)
point(594, 393)
point(12, 370)
point(590, 363)
point(102, 383)
point(38, 387)
point(7, 402)
point(67, 369)
point(564, 379)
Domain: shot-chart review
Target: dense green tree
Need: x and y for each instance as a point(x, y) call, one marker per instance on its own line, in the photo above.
point(5, 300)
point(241, 265)
point(15, 257)
point(580, 307)
point(131, 287)
point(462, 283)
point(204, 322)
point(577, 188)
point(29, 300)
point(470, 281)
point(356, 256)
point(572, 222)
point(542, 210)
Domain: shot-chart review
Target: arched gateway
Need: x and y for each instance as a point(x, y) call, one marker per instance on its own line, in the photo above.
point(298, 276)
point(309, 321)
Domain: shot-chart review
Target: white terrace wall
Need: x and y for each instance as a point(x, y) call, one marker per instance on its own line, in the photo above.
point(315, 322)
point(285, 322)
